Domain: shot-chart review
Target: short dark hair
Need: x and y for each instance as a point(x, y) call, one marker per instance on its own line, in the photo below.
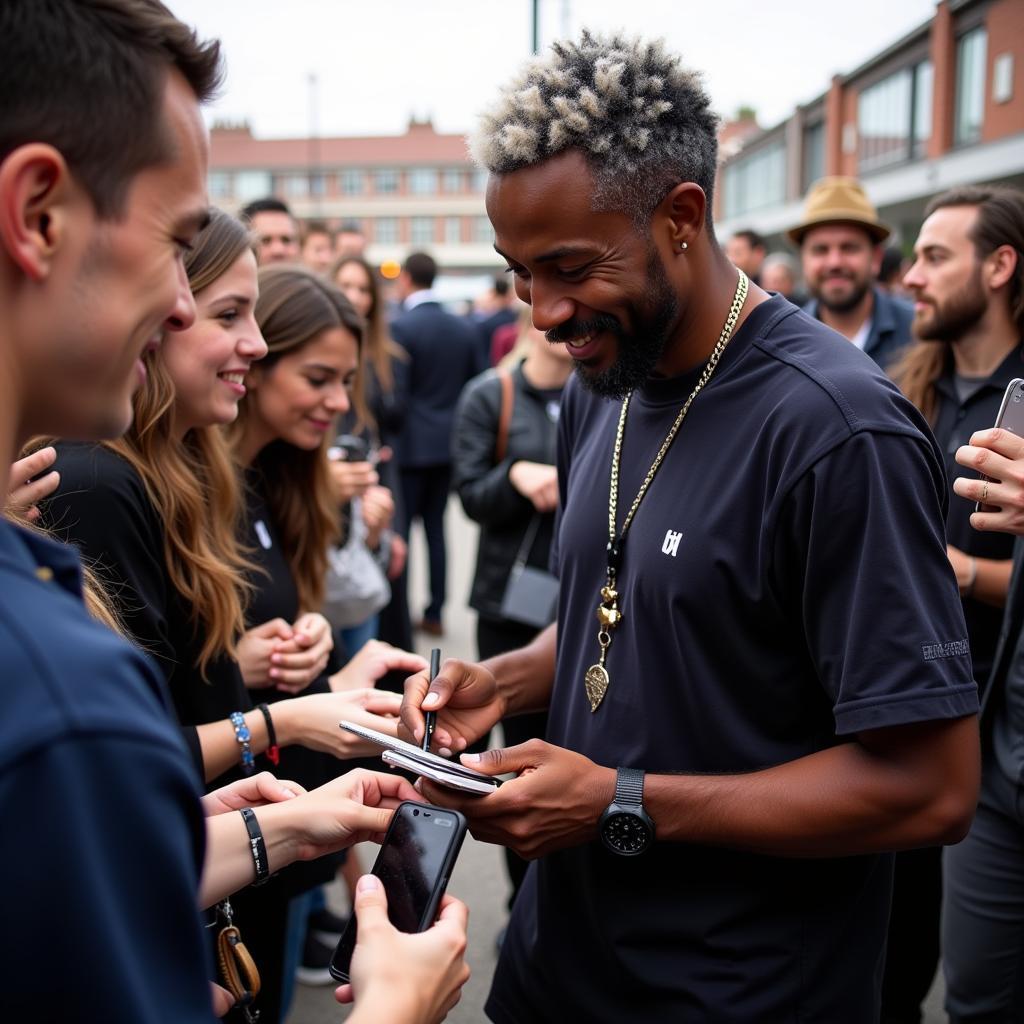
point(351, 227)
point(270, 204)
point(1000, 222)
point(421, 268)
point(501, 286)
point(751, 237)
point(316, 227)
point(87, 77)
point(891, 265)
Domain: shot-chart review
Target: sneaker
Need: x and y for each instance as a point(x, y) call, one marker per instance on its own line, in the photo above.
point(312, 969)
point(326, 926)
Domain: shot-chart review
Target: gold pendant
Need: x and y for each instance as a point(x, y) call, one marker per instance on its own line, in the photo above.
point(596, 684)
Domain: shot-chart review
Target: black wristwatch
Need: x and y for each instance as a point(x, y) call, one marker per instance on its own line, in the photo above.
point(625, 827)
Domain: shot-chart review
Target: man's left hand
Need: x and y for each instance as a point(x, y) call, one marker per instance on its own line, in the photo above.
point(554, 802)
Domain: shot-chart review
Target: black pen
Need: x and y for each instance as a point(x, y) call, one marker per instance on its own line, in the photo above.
point(431, 716)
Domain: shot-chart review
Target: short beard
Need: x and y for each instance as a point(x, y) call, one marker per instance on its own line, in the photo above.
point(637, 354)
point(848, 304)
point(957, 315)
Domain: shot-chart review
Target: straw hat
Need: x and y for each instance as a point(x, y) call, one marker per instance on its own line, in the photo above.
point(839, 200)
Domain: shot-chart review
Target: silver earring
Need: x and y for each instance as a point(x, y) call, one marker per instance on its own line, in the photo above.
point(683, 247)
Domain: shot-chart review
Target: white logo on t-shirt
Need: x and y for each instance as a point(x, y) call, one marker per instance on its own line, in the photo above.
point(670, 546)
point(263, 534)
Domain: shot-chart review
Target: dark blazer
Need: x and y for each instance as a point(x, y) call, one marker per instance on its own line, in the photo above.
point(994, 695)
point(444, 353)
point(890, 326)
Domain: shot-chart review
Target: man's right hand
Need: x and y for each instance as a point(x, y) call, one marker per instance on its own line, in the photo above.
point(467, 700)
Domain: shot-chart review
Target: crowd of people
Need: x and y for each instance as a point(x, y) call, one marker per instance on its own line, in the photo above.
point(749, 607)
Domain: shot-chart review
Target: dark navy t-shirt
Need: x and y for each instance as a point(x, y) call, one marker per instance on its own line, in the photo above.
point(101, 832)
point(785, 585)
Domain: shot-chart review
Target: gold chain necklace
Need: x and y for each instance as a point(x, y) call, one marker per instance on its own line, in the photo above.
point(609, 615)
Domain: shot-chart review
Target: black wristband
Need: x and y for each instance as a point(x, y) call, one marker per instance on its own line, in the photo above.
point(272, 751)
point(257, 846)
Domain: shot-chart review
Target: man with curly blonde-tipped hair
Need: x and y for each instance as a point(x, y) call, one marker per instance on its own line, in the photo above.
point(759, 682)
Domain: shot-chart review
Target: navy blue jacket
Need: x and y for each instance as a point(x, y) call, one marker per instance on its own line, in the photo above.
point(890, 326)
point(444, 353)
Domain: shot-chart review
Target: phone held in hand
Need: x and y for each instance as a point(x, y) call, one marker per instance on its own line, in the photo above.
point(352, 448)
point(414, 864)
point(447, 773)
point(1010, 417)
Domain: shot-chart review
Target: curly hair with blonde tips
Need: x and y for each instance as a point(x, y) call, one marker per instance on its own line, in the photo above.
point(643, 122)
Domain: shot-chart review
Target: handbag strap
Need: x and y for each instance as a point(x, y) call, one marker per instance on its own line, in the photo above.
point(504, 415)
point(527, 544)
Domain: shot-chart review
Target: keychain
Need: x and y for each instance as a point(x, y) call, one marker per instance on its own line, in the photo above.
point(238, 971)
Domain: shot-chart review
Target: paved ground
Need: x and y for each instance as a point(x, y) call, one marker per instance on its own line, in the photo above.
point(479, 878)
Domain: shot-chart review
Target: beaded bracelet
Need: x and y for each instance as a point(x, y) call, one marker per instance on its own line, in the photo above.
point(273, 752)
point(257, 846)
point(243, 736)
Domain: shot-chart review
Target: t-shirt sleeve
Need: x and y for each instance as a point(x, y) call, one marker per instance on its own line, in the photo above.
point(861, 556)
point(100, 914)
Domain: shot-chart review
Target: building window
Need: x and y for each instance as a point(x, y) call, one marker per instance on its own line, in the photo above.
point(924, 89)
point(385, 230)
point(353, 182)
point(453, 230)
point(296, 186)
point(970, 86)
point(480, 180)
point(317, 183)
point(251, 185)
point(422, 230)
point(452, 180)
point(883, 121)
point(385, 182)
point(423, 181)
point(220, 185)
point(813, 154)
point(756, 181)
point(482, 231)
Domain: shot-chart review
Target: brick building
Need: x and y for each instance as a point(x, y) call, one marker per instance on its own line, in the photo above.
point(418, 190)
point(942, 106)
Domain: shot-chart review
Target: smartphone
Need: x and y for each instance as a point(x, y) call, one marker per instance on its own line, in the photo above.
point(442, 776)
point(421, 758)
point(1010, 417)
point(351, 448)
point(414, 864)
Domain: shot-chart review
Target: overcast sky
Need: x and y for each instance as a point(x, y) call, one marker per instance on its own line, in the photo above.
point(378, 61)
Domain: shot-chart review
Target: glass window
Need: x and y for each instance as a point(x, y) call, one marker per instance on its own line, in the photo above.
point(453, 230)
point(452, 181)
point(317, 183)
point(482, 231)
point(296, 185)
point(251, 185)
point(422, 230)
point(423, 181)
point(479, 180)
point(385, 230)
point(385, 181)
point(814, 154)
point(921, 130)
point(220, 184)
point(756, 181)
point(353, 182)
point(970, 86)
point(883, 121)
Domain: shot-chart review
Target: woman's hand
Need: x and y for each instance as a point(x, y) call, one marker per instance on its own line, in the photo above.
point(374, 660)
point(378, 511)
point(399, 554)
point(30, 481)
point(351, 479)
point(255, 650)
point(537, 482)
point(254, 791)
point(298, 661)
point(312, 721)
point(399, 977)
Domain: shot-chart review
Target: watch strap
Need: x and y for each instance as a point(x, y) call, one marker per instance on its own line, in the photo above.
point(629, 787)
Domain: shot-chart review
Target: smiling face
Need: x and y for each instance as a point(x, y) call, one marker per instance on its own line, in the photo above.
point(840, 263)
point(592, 281)
point(946, 277)
point(118, 286)
point(208, 362)
point(298, 398)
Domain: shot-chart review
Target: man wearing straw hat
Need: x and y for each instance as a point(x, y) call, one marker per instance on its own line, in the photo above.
point(840, 242)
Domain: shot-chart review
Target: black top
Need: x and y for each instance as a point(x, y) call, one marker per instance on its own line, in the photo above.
point(483, 485)
point(102, 838)
point(444, 353)
point(956, 420)
point(102, 507)
point(807, 597)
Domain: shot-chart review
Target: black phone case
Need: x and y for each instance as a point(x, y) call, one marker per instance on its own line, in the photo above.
point(429, 915)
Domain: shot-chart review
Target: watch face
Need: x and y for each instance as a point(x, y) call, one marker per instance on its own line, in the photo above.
point(626, 833)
